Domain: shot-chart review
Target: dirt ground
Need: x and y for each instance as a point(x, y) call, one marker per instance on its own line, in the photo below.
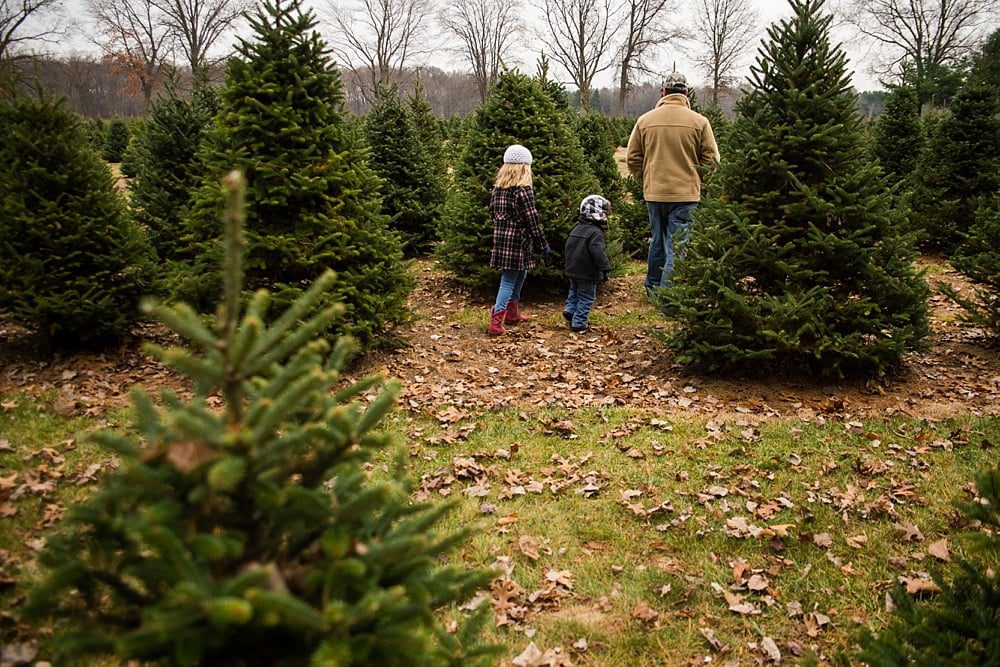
point(450, 364)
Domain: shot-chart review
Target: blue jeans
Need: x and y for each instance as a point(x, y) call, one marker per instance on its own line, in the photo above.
point(511, 282)
point(580, 300)
point(669, 223)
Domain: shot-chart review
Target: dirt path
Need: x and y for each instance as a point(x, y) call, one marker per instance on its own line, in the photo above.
point(451, 367)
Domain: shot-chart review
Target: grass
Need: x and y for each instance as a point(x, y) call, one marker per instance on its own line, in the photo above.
point(642, 587)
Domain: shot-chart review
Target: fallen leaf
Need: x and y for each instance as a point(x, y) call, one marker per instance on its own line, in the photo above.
point(528, 545)
point(823, 540)
point(910, 533)
point(713, 641)
point(940, 550)
point(531, 656)
point(771, 650)
point(857, 541)
point(645, 613)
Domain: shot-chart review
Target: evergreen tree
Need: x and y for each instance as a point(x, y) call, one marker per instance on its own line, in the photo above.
point(312, 200)
point(598, 141)
point(986, 64)
point(633, 217)
point(115, 140)
point(133, 154)
point(412, 191)
point(960, 164)
point(958, 626)
point(96, 133)
point(254, 534)
point(73, 265)
point(898, 137)
point(800, 259)
point(519, 110)
point(979, 258)
point(429, 129)
point(168, 170)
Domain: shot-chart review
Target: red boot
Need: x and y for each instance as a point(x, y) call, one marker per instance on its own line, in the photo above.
point(513, 316)
point(496, 323)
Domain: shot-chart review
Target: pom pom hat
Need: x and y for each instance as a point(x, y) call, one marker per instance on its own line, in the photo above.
point(517, 154)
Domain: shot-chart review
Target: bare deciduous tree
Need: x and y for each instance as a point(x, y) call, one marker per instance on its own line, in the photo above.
point(198, 24)
point(134, 35)
point(646, 26)
point(24, 21)
point(924, 35)
point(487, 30)
point(580, 36)
point(723, 31)
point(382, 38)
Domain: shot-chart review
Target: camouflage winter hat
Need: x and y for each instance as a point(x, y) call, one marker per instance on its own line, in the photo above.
point(595, 208)
point(675, 82)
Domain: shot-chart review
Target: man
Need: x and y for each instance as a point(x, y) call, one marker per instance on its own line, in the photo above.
point(665, 152)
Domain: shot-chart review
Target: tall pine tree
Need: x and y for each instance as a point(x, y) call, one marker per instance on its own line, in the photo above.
point(312, 200)
point(254, 534)
point(168, 168)
point(959, 166)
point(412, 190)
point(519, 110)
point(802, 261)
point(73, 264)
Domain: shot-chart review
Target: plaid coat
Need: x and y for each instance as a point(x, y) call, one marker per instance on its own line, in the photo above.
point(517, 233)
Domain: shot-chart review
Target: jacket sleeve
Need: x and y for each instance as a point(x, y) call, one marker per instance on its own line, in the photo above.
point(635, 153)
point(529, 214)
point(599, 254)
point(709, 151)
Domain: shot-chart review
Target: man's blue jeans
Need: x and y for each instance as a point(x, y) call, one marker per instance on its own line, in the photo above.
point(511, 282)
point(669, 223)
point(579, 302)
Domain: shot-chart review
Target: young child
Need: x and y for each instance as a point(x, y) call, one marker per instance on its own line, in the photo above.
point(517, 235)
point(586, 260)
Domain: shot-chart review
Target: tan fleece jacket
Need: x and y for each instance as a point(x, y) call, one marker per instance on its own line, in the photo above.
point(666, 148)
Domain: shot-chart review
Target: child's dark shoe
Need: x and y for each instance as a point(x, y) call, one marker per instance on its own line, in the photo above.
point(580, 329)
point(567, 316)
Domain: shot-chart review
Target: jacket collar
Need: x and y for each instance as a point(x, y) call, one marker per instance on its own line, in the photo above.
point(674, 99)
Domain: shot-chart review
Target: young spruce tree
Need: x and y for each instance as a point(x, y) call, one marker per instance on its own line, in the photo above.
point(254, 534)
point(73, 264)
point(959, 625)
point(412, 191)
point(960, 166)
point(802, 261)
point(168, 170)
point(898, 135)
point(519, 110)
point(313, 202)
point(979, 258)
point(116, 140)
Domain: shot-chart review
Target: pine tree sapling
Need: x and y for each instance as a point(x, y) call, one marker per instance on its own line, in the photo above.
point(519, 110)
point(168, 169)
point(430, 131)
point(801, 261)
point(959, 166)
point(116, 140)
point(412, 191)
point(898, 137)
point(134, 151)
point(960, 625)
point(73, 264)
point(254, 534)
point(979, 258)
point(312, 201)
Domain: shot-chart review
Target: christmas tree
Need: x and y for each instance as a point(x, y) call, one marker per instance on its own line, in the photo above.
point(254, 534)
point(958, 626)
point(430, 131)
point(116, 140)
point(959, 166)
point(412, 191)
point(518, 111)
point(73, 264)
point(134, 151)
point(312, 201)
point(598, 140)
point(168, 170)
point(801, 261)
point(898, 136)
point(979, 258)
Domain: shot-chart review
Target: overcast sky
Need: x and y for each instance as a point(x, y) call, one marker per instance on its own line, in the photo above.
point(768, 10)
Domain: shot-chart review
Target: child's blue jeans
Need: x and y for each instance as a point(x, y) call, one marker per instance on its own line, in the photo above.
point(511, 282)
point(580, 300)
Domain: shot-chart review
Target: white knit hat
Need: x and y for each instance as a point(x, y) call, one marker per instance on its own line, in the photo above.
point(517, 154)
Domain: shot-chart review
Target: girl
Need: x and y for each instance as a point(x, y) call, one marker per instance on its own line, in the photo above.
point(517, 234)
